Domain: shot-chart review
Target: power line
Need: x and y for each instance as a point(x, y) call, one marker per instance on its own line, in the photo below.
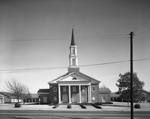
point(47, 39)
point(78, 37)
point(30, 69)
point(104, 36)
point(142, 59)
point(143, 32)
point(53, 68)
point(105, 63)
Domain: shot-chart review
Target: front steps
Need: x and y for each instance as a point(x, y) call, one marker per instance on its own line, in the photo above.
point(76, 107)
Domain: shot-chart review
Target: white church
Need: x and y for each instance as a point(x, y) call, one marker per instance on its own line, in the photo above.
point(72, 87)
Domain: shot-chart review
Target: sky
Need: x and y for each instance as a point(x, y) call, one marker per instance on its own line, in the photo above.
point(35, 36)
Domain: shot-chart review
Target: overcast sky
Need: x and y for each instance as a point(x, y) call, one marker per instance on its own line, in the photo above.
point(36, 34)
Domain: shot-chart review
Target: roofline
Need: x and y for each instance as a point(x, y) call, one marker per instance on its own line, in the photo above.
point(50, 82)
point(78, 73)
point(7, 95)
point(89, 77)
point(62, 77)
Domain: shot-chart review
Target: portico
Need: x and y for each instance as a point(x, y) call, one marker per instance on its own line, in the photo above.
point(74, 93)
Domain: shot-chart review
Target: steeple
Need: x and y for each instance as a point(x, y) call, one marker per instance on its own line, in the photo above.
point(72, 38)
point(73, 56)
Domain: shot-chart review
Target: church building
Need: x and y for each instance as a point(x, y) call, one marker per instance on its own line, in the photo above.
point(72, 87)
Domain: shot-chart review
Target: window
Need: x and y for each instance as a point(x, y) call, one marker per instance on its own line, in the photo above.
point(1, 97)
point(73, 62)
point(74, 78)
point(93, 89)
point(73, 51)
point(54, 89)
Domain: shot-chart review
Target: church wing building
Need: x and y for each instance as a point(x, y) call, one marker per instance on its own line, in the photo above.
point(72, 87)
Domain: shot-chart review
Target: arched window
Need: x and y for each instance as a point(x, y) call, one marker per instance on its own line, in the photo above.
point(73, 62)
point(74, 78)
point(73, 51)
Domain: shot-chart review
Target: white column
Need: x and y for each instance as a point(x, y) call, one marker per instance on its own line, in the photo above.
point(59, 93)
point(79, 93)
point(89, 89)
point(69, 95)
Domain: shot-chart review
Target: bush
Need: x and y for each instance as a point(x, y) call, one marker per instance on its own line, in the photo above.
point(82, 106)
point(96, 106)
point(69, 106)
point(137, 106)
point(55, 106)
point(17, 105)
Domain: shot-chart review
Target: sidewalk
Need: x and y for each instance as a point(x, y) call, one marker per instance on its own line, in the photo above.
point(110, 107)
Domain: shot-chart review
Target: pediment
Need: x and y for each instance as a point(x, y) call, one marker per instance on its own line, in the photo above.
point(73, 78)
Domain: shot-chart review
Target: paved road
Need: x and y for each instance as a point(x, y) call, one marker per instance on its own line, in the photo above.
point(70, 115)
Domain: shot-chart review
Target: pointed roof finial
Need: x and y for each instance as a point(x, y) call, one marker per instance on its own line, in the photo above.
point(72, 38)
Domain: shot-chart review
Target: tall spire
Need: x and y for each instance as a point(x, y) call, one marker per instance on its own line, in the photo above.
point(73, 56)
point(72, 38)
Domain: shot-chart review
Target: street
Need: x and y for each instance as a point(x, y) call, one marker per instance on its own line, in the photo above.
point(70, 115)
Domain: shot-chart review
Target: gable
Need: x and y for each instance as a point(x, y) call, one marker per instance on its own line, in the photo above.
point(92, 80)
point(74, 76)
point(6, 94)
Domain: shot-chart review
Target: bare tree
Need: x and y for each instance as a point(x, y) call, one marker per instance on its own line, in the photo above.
point(17, 89)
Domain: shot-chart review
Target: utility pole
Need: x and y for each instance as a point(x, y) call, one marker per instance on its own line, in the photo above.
point(131, 72)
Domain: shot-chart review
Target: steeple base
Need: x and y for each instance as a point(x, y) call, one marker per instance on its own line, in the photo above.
point(73, 69)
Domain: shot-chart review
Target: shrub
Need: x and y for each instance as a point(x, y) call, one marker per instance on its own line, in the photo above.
point(82, 106)
point(96, 106)
point(137, 106)
point(69, 106)
point(17, 105)
point(55, 106)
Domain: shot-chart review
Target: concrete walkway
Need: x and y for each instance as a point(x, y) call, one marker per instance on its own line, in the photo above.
point(106, 107)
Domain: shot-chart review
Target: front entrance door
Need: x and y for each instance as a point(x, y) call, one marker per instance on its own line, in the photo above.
point(84, 94)
point(64, 94)
point(74, 97)
point(75, 94)
point(65, 98)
